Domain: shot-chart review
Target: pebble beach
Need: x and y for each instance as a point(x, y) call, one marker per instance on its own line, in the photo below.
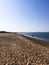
point(16, 49)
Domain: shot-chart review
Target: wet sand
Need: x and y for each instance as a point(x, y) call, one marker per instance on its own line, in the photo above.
point(17, 49)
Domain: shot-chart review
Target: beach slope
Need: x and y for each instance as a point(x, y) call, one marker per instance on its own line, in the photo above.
point(16, 49)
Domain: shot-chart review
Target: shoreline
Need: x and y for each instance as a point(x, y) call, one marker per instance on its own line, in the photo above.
point(37, 35)
point(41, 42)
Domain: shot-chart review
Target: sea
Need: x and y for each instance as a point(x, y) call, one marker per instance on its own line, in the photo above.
point(37, 35)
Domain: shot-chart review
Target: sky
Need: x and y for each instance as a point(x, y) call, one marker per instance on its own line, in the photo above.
point(24, 15)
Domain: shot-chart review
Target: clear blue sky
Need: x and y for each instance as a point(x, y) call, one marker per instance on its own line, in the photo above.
point(24, 15)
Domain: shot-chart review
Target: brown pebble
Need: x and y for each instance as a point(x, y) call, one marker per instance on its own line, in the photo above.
point(28, 63)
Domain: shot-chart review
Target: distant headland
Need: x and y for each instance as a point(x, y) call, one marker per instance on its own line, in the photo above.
point(3, 32)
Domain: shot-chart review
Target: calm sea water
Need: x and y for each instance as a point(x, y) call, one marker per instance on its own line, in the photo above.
point(37, 35)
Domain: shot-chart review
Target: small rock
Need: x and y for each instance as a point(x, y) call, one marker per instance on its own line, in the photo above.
point(7, 64)
point(28, 63)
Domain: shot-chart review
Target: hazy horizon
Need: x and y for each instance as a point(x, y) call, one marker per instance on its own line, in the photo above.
point(24, 15)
